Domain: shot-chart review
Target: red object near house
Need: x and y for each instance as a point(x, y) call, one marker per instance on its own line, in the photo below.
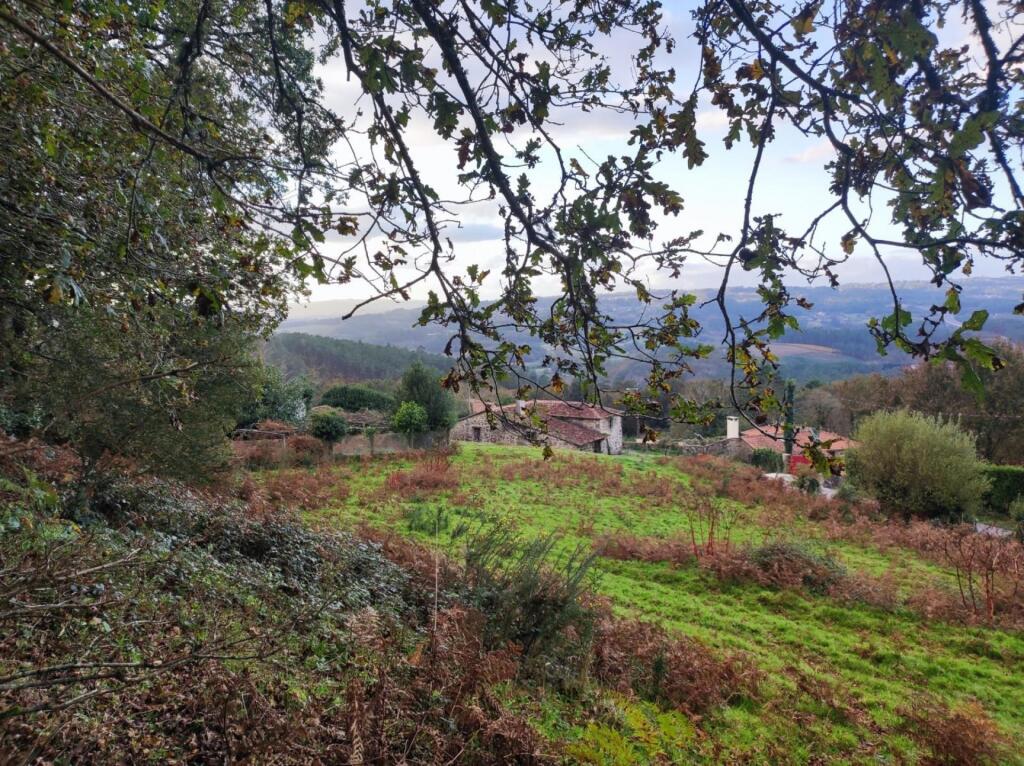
point(795, 461)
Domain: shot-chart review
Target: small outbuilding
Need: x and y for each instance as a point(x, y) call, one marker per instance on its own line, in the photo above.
point(568, 425)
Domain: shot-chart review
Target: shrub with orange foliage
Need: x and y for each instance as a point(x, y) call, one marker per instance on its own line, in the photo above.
point(431, 473)
point(261, 454)
point(989, 570)
point(965, 736)
point(429, 567)
point(307, 450)
point(436, 706)
point(306, 490)
point(643, 658)
point(626, 547)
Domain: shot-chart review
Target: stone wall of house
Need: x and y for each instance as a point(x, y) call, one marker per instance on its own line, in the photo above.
point(463, 431)
point(615, 435)
point(611, 427)
point(388, 442)
point(723, 447)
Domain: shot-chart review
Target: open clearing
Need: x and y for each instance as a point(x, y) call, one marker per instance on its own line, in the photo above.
point(839, 675)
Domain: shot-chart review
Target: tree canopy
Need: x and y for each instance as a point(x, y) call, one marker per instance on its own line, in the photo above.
point(355, 398)
point(422, 386)
point(189, 153)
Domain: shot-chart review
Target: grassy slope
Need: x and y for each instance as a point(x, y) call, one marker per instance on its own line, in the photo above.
point(837, 674)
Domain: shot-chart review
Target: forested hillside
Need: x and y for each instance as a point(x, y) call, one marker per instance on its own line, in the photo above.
point(832, 342)
point(334, 359)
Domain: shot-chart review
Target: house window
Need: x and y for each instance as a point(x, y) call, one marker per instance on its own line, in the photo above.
point(478, 434)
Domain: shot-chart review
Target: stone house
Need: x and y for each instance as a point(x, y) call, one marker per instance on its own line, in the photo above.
point(570, 425)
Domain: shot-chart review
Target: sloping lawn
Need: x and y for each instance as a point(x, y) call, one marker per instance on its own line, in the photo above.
point(838, 674)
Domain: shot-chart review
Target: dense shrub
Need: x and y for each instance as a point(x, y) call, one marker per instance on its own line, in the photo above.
point(792, 565)
point(965, 736)
point(306, 450)
point(807, 480)
point(1007, 484)
point(355, 398)
point(916, 465)
point(327, 426)
point(848, 492)
point(534, 599)
point(643, 658)
point(768, 460)
point(422, 386)
point(277, 399)
point(410, 419)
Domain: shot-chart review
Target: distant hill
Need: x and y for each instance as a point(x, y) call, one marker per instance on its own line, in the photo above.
point(834, 342)
point(325, 358)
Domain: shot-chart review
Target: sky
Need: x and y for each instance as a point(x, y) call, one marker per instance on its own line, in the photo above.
point(793, 182)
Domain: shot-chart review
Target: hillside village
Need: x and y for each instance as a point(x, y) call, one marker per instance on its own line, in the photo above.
point(491, 383)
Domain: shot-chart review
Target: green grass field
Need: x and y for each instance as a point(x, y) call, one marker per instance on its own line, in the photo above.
point(838, 675)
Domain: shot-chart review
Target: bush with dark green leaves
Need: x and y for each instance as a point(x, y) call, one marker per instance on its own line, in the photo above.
point(163, 395)
point(917, 465)
point(768, 460)
point(1007, 485)
point(533, 598)
point(327, 426)
point(423, 386)
point(410, 419)
point(277, 399)
point(355, 398)
point(808, 481)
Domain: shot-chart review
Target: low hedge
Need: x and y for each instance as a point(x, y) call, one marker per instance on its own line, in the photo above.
point(1007, 486)
point(768, 460)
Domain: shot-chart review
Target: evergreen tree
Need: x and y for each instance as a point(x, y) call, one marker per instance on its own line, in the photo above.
point(423, 387)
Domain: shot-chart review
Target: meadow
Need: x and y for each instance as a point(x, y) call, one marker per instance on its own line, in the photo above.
point(868, 654)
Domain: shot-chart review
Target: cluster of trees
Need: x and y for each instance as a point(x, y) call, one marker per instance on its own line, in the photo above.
point(301, 354)
point(172, 170)
point(995, 417)
point(420, 403)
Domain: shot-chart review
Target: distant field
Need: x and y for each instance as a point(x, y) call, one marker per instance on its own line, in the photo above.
point(841, 676)
point(783, 350)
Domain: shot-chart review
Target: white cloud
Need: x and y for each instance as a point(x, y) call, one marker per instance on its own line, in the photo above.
point(820, 152)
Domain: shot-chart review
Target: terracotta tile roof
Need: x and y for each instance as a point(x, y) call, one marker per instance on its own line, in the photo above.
point(773, 436)
point(574, 410)
point(573, 433)
point(559, 427)
point(552, 408)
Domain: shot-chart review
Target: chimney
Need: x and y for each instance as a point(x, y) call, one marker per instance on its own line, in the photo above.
point(732, 427)
point(520, 404)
